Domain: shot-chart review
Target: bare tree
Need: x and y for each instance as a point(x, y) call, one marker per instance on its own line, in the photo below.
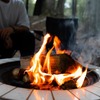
point(92, 16)
point(38, 7)
point(27, 2)
point(44, 7)
point(60, 8)
point(50, 8)
point(74, 8)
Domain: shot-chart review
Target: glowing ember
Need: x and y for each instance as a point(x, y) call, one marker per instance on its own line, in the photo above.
point(41, 74)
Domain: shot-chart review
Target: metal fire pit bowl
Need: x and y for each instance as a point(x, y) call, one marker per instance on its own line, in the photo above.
point(7, 78)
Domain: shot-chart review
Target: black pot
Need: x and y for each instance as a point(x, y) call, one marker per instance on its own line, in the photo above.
point(65, 29)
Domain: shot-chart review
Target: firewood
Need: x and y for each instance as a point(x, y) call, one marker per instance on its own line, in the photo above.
point(15, 73)
point(21, 75)
point(18, 73)
point(26, 78)
point(61, 63)
point(69, 85)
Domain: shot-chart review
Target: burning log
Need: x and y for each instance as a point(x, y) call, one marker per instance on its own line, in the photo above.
point(69, 85)
point(61, 63)
point(26, 78)
point(20, 74)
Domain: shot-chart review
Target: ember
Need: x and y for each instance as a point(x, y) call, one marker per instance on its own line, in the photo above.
point(48, 70)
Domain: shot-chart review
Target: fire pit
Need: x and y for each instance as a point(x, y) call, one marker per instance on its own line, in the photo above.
point(7, 77)
point(24, 93)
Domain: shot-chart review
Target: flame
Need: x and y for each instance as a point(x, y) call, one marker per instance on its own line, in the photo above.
point(57, 45)
point(41, 74)
point(81, 79)
point(62, 78)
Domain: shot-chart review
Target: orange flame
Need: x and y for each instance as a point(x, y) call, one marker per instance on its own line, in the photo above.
point(57, 45)
point(81, 79)
point(37, 73)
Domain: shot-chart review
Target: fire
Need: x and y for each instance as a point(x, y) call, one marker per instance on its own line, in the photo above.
point(57, 45)
point(41, 74)
point(81, 79)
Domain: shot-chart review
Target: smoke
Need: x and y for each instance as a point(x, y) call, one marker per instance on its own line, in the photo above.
point(88, 49)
